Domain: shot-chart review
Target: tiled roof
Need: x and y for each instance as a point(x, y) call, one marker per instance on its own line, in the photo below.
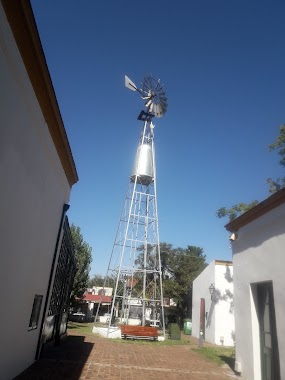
point(97, 298)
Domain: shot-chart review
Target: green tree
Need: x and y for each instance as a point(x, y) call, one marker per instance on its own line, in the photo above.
point(183, 265)
point(235, 210)
point(179, 266)
point(96, 280)
point(83, 259)
point(274, 185)
point(278, 144)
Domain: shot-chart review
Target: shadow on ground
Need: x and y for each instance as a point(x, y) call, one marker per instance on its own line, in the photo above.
point(64, 361)
point(230, 361)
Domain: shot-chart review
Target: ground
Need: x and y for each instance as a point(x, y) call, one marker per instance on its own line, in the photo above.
point(85, 356)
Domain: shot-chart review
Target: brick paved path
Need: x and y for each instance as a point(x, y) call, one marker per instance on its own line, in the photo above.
point(91, 357)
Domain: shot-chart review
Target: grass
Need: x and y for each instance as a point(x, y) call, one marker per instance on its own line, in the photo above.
point(86, 329)
point(82, 328)
point(166, 342)
point(219, 355)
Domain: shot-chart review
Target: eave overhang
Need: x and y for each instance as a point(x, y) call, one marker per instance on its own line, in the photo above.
point(22, 22)
point(260, 209)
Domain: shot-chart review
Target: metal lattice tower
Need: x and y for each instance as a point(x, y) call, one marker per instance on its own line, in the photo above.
point(135, 263)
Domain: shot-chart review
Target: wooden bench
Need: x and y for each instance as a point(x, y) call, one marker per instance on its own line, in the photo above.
point(139, 332)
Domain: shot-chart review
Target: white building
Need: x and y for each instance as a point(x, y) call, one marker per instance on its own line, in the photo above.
point(212, 314)
point(258, 245)
point(93, 297)
point(100, 290)
point(37, 172)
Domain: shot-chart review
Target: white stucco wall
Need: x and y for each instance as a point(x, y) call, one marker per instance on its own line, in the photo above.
point(224, 313)
point(219, 314)
point(33, 191)
point(258, 255)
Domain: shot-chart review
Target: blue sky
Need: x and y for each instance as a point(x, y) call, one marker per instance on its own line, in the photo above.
point(222, 63)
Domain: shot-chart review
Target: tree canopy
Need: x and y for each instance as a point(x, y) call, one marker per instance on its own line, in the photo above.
point(83, 259)
point(96, 280)
point(180, 267)
point(235, 210)
point(274, 185)
point(278, 144)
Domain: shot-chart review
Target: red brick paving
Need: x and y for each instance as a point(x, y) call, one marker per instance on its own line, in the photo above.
point(91, 357)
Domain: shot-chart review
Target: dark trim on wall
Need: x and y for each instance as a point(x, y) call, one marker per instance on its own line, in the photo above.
point(49, 288)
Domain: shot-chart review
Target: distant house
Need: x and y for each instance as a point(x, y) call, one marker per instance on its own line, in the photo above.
point(212, 314)
point(37, 172)
point(258, 245)
point(100, 290)
point(94, 297)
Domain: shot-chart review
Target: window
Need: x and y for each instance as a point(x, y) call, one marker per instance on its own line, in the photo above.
point(35, 312)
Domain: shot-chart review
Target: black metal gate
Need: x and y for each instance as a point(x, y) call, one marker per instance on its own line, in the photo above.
point(56, 321)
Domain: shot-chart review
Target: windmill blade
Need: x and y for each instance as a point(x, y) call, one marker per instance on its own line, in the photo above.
point(130, 84)
point(160, 88)
point(147, 85)
point(164, 104)
point(161, 93)
point(158, 85)
point(163, 99)
point(158, 111)
point(155, 109)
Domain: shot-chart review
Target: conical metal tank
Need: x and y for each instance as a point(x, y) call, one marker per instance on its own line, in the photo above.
point(143, 166)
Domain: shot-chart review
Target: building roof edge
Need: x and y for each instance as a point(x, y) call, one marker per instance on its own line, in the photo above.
point(23, 25)
point(260, 209)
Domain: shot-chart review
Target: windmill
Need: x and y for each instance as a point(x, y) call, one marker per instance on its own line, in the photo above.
point(135, 262)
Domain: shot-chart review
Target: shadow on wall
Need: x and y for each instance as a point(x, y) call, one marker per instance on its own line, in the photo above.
point(210, 313)
point(233, 334)
point(227, 296)
point(218, 296)
point(64, 361)
point(228, 275)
